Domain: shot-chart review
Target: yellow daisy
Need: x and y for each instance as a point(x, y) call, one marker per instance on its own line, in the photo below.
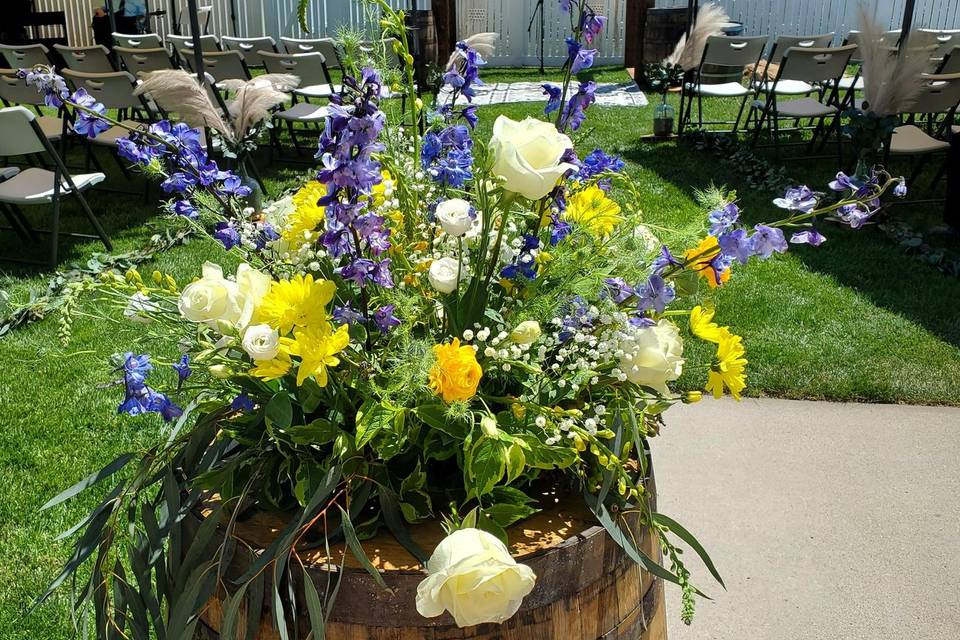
point(318, 349)
point(729, 366)
point(592, 208)
point(277, 367)
point(299, 302)
point(307, 215)
point(702, 324)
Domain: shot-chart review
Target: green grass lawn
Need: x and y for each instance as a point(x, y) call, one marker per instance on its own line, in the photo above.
point(855, 319)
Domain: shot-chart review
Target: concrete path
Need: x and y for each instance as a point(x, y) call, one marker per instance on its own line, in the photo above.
point(827, 521)
point(626, 94)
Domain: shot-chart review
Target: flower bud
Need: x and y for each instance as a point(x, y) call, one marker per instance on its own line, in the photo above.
point(488, 424)
point(220, 371)
point(692, 396)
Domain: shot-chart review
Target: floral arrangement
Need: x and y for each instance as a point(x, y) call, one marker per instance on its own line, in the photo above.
point(430, 327)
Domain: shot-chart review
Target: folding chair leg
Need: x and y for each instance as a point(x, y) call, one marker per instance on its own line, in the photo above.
point(758, 127)
point(683, 101)
point(104, 238)
point(293, 138)
point(24, 222)
point(55, 229)
point(736, 123)
point(123, 169)
point(776, 137)
point(15, 223)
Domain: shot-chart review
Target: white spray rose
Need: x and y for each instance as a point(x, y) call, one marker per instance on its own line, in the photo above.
point(473, 576)
point(454, 216)
point(526, 332)
point(527, 156)
point(652, 355)
point(261, 342)
point(213, 299)
point(443, 274)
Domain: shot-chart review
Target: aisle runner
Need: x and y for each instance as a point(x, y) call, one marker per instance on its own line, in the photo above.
point(610, 94)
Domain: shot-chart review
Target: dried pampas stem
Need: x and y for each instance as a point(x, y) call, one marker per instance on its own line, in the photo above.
point(178, 91)
point(892, 81)
point(255, 98)
point(484, 43)
point(710, 22)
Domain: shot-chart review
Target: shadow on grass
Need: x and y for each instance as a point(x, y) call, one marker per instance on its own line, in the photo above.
point(864, 260)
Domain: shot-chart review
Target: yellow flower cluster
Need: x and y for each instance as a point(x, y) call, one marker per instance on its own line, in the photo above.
point(594, 210)
point(307, 216)
point(456, 373)
point(299, 306)
point(728, 369)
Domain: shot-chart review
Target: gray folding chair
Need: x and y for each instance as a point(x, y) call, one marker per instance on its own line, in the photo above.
point(15, 91)
point(814, 66)
point(780, 46)
point(225, 65)
point(138, 61)
point(137, 40)
point(723, 57)
point(937, 104)
point(95, 59)
point(183, 47)
point(951, 62)
point(311, 68)
point(25, 56)
point(944, 39)
point(326, 46)
point(20, 135)
point(113, 90)
point(248, 48)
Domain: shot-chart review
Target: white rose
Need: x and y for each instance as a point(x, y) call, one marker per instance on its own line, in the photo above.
point(652, 355)
point(443, 274)
point(526, 332)
point(454, 216)
point(213, 299)
point(527, 156)
point(139, 308)
point(261, 342)
point(473, 576)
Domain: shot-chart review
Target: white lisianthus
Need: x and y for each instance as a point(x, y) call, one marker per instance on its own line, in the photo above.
point(139, 308)
point(261, 342)
point(652, 356)
point(443, 274)
point(527, 156)
point(526, 332)
point(473, 576)
point(214, 299)
point(454, 216)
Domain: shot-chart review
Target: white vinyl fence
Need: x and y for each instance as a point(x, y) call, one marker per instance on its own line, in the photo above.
point(515, 20)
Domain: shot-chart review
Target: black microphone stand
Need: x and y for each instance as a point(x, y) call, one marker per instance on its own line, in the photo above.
point(538, 9)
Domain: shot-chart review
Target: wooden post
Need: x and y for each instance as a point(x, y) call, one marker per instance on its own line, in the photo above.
point(634, 28)
point(445, 18)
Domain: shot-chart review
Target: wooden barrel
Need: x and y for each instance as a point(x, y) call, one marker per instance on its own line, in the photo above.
point(662, 31)
point(426, 34)
point(587, 588)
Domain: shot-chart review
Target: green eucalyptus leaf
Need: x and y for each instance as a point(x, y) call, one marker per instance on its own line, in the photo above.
point(279, 411)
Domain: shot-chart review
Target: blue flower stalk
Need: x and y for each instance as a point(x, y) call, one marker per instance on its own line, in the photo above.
point(586, 25)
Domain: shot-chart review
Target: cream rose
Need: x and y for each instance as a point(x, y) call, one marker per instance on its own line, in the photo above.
point(526, 332)
point(214, 299)
point(473, 576)
point(443, 274)
point(652, 355)
point(261, 342)
point(454, 216)
point(527, 156)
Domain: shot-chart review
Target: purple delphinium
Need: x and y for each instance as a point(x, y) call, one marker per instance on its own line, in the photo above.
point(597, 162)
point(182, 367)
point(574, 113)
point(797, 199)
point(139, 397)
point(227, 234)
point(591, 24)
point(842, 182)
point(723, 218)
point(808, 236)
point(345, 314)
point(618, 289)
point(735, 245)
point(655, 294)
point(88, 124)
point(559, 229)
point(242, 403)
point(664, 261)
point(384, 319)
point(854, 215)
point(766, 241)
point(900, 189)
point(525, 264)
point(184, 208)
point(554, 94)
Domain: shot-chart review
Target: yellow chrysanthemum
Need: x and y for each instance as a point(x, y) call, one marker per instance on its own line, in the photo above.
point(729, 366)
point(307, 215)
point(702, 324)
point(592, 208)
point(380, 192)
point(457, 373)
point(318, 348)
point(300, 302)
point(277, 367)
point(703, 253)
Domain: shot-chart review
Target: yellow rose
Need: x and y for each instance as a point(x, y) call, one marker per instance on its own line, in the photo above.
point(473, 576)
point(456, 373)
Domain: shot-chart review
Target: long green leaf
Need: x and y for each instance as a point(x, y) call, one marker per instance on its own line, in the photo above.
point(254, 605)
point(93, 514)
point(231, 611)
point(183, 610)
point(356, 548)
point(89, 481)
point(690, 539)
point(390, 507)
point(314, 607)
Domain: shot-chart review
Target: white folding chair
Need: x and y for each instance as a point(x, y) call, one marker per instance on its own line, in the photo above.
point(311, 68)
point(20, 135)
point(225, 65)
point(781, 45)
point(326, 46)
point(722, 56)
point(138, 61)
point(137, 40)
point(25, 56)
point(95, 59)
point(183, 47)
point(248, 48)
point(15, 91)
point(823, 66)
